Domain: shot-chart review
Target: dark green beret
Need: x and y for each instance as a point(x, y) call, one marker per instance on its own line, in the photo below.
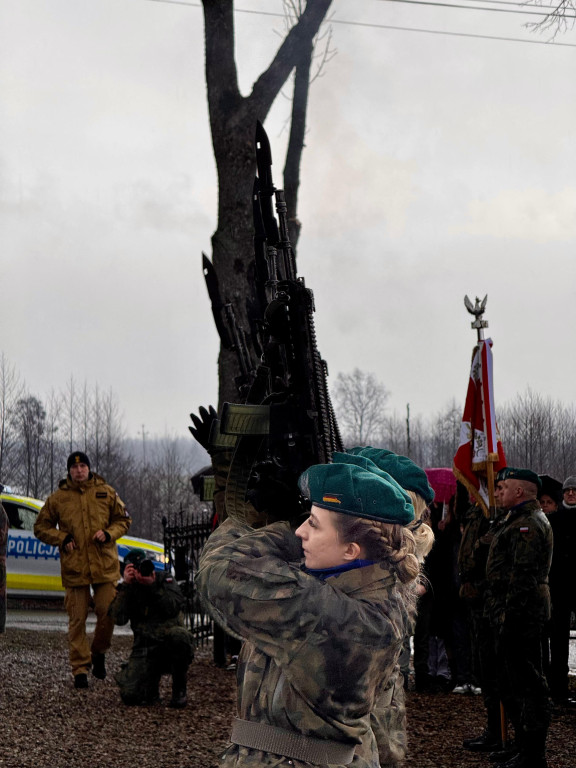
point(135, 556)
point(356, 489)
point(513, 473)
point(406, 473)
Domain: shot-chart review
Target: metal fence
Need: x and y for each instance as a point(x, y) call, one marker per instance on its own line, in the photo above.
point(184, 537)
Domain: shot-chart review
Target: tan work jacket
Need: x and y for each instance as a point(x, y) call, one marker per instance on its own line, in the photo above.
point(82, 510)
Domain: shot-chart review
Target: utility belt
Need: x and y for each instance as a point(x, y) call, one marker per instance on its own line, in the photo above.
point(269, 738)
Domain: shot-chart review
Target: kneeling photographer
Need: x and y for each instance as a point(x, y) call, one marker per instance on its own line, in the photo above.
point(152, 603)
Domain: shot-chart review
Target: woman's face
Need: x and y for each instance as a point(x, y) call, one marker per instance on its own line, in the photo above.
point(548, 504)
point(320, 543)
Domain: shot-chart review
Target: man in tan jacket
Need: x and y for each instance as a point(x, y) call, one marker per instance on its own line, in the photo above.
point(84, 518)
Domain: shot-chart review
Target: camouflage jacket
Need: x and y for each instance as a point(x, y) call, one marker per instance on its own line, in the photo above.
point(318, 654)
point(517, 592)
point(388, 722)
point(151, 610)
point(81, 511)
point(473, 554)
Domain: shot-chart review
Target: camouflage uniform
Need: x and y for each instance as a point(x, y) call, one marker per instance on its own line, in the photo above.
point(4, 526)
point(161, 643)
point(388, 722)
point(517, 606)
point(318, 654)
point(478, 534)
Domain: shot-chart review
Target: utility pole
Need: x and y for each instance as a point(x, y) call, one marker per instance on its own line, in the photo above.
point(144, 434)
point(408, 446)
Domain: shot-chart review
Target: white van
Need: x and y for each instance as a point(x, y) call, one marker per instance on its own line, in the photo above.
point(32, 567)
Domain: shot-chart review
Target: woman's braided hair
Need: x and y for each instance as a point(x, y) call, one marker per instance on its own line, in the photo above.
point(389, 543)
point(422, 532)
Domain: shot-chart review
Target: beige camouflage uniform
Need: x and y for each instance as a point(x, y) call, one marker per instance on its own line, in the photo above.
point(318, 654)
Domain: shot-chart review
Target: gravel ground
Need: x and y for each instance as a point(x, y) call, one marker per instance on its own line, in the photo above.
point(45, 723)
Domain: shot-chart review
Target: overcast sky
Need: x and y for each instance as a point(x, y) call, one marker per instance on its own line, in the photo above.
point(435, 166)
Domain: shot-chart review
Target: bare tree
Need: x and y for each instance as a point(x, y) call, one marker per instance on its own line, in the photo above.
point(360, 401)
point(233, 120)
point(30, 423)
point(560, 19)
point(70, 410)
point(11, 390)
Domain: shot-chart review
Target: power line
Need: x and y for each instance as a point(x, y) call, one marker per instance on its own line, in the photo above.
point(372, 25)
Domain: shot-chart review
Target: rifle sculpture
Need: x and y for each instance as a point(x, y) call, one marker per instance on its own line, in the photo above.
point(286, 421)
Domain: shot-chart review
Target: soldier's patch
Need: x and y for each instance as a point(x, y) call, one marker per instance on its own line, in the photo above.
point(101, 495)
point(331, 498)
point(524, 529)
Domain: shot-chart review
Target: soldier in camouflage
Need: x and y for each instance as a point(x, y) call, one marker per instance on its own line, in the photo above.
point(478, 534)
point(517, 605)
point(388, 717)
point(321, 639)
point(152, 602)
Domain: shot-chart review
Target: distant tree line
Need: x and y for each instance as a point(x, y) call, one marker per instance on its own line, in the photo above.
point(152, 476)
point(537, 432)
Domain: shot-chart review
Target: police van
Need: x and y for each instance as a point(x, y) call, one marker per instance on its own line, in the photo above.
point(32, 567)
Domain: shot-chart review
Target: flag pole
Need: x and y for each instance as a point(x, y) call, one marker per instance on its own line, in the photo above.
point(479, 325)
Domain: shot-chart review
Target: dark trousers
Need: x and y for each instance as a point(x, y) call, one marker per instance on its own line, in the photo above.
point(559, 628)
point(523, 688)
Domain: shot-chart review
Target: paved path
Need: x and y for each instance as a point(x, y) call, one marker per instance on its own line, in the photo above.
point(57, 621)
point(52, 621)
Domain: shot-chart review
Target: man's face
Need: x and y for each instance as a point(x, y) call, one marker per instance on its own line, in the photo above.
point(497, 492)
point(79, 472)
point(570, 496)
point(510, 493)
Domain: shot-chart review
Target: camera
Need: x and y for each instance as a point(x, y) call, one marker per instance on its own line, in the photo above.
point(145, 568)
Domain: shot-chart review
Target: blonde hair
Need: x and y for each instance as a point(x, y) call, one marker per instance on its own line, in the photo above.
point(422, 532)
point(389, 543)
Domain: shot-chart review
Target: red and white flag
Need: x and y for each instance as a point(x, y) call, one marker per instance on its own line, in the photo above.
point(479, 438)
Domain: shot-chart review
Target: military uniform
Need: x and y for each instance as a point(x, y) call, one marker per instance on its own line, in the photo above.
point(472, 557)
point(388, 722)
point(161, 643)
point(517, 606)
point(317, 655)
point(78, 511)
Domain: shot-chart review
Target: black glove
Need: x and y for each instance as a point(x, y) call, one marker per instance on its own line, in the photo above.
point(203, 425)
point(276, 499)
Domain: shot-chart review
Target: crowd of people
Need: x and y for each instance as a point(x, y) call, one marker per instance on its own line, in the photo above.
point(322, 610)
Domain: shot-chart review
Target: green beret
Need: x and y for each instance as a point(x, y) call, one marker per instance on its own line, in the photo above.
point(406, 473)
point(356, 489)
point(512, 473)
point(135, 556)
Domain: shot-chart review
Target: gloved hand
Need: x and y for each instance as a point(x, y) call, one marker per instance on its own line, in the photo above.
point(202, 425)
point(275, 499)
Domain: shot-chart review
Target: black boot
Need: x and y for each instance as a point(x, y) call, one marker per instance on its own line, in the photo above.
point(81, 681)
point(99, 665)
point(503, 755)
point(522, 760)
point(486, 742)
point(179, 699)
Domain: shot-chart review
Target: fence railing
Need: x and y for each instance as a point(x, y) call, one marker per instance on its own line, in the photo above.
point(184, 537)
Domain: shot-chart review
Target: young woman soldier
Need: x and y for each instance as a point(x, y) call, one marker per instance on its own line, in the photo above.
point(322, 638)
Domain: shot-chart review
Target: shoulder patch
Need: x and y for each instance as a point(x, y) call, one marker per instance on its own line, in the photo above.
point(524, 529)
point(101, 495)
